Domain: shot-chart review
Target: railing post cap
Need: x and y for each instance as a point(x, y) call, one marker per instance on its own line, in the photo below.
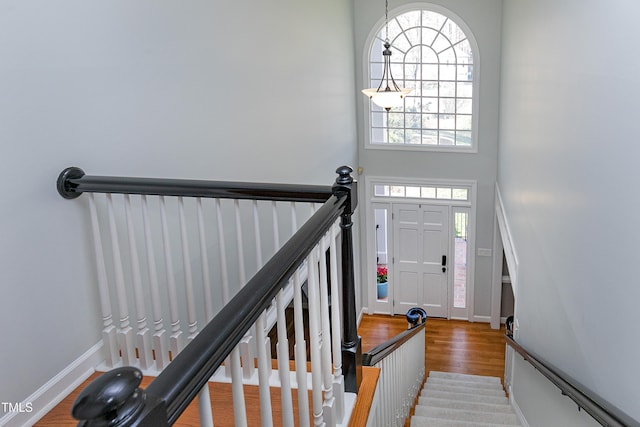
point(110, 399)
point(344, 177)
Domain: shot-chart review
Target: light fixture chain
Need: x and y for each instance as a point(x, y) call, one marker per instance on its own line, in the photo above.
point(386, 20)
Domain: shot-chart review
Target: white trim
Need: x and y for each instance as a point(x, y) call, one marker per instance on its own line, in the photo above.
point(496, 275)
point(371, 199)
point(482, 319)
point(507, 242)
point(362, 311)
point(368, 45)
point(57, 388)
point(517, 410)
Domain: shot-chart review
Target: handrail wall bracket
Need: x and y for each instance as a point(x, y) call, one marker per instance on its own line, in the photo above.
point(65, 187)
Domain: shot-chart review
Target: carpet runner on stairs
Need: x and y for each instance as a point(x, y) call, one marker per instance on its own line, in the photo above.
point(460, 400)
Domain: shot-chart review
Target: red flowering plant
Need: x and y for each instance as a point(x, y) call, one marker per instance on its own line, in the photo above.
point(382, 274)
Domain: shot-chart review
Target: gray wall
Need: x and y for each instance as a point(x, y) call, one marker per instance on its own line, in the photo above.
point(568, 171)
point(484, 19)
point(214, 90)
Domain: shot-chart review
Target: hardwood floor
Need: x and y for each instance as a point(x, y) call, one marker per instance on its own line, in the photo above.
point(451, 346)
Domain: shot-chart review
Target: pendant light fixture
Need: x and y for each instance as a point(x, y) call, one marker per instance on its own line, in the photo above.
point(391, 95)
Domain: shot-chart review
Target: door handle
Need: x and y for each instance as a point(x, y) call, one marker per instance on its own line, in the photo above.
point(444, 263)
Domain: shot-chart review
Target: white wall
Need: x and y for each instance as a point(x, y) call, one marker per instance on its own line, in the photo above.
point(568, 171)
point(483, 18)
point(214, 90)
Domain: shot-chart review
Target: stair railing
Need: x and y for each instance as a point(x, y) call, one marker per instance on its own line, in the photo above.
point(602, 411)
point(335, 356)
point(402, 372)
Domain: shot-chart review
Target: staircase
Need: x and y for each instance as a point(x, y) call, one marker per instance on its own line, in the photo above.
point(460, 400)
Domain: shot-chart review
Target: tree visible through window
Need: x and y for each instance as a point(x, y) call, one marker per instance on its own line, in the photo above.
point(433, 56)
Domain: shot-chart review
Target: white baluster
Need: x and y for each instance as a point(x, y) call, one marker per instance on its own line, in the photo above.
point(188, 276)
point(336, 326)
point(204, 398)
point(125, 332)
point(224, 274)
point(315, 337)
point(325, 344)
point(240, 244)
point(239, 408)
point(264, 371)
point(160, 334)
point(143, 337)
point(300, 351)
point(276, 232)
point(294, 219)
point(109, 338)
point(282, 347)
point(176, 340)
point(204, 262)
point(264, 360)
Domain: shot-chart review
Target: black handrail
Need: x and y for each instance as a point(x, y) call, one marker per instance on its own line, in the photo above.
point(602, 411)
point(72, 182)
point(381, 351)
point(177, 385)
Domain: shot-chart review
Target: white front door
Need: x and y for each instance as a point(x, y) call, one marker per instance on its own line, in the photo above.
point(421, 255)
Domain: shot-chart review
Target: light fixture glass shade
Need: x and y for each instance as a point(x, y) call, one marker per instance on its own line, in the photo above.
point(388, 98)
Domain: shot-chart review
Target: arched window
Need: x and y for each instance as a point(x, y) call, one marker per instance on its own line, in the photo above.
point(434, 56)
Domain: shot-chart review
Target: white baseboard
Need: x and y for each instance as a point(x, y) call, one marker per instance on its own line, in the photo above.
point(362, 311)
point(517, 410)
point(482, 319)
point(56, 389)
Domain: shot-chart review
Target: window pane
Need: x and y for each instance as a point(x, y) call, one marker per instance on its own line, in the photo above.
point(396, 190)
point(463, 122)
point(409, 19)
point(432, 19)
point(396, 136)
point(381, 190)
point(430, 105)
point(443, 193)
point(429, 72)
point(448, 56)
point(448, 72)
point(428, 193)
point(412, 104)
point(463, 106)
point(412, 191)
point(459, 194)
point(430, 137)
point(447, 121)
point(447, 106)
point(465, 90)
point(463, 139)
point(395, 120)
point(429, 88)
point(446, 138)
point(413, 136)
point(447, 89)
point(429, 56)
point(430, 121)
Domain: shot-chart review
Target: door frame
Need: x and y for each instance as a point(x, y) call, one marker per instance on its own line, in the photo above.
point(372, 202)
